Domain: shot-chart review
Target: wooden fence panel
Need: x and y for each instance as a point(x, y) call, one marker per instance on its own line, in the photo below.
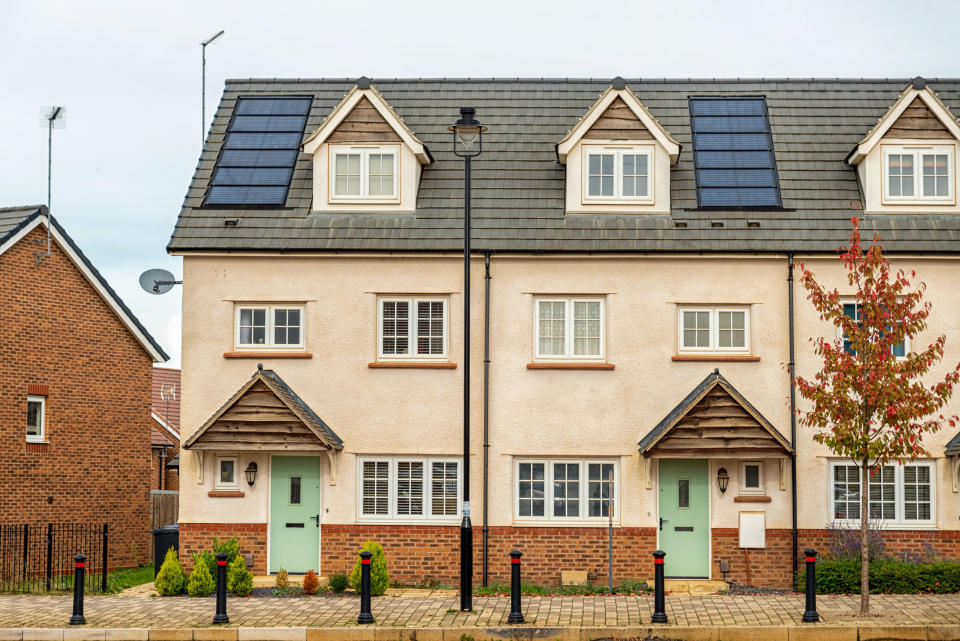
point(164, 510)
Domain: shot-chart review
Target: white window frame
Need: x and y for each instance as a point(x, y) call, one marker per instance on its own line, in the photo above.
point(39, 438)
point(548, 517)
point(618, 152)
point(269, 344)
point(761, 489)
point(713, 347)
point(393, 490)
point(900, 521)
point(364, 151)
point(412, 328)
point(918, 151)
point(906, 339)
point(569, 303)
point(220, 485)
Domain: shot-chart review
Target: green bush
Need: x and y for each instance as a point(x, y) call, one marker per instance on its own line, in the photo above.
point(379, 579)
point(231, 547)
point(339, 582)
point(206, 558)
point(239, 579)
point(170, 579)
point(887, 576)
point(201, 582)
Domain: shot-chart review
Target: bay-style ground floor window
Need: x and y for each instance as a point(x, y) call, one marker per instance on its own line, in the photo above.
point(408, 488)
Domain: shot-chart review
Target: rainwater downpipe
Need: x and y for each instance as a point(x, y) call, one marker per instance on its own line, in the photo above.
point(793, 412)
point(486, 404)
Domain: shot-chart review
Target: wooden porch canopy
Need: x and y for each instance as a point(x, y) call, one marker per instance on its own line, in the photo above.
point(715, 421)
point(265, 414)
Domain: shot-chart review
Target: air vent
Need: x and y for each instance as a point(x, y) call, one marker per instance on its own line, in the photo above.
point(753, 224)
point(716, 223)
point(680, 224)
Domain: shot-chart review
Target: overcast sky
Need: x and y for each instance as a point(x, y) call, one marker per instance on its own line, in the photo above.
point(128, 74)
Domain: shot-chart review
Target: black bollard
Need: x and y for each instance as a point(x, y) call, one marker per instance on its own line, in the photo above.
point(221, 615)
point(516, 612)
point(659, 604)
point(365, 615)
point(79, 563)
point(810, 615)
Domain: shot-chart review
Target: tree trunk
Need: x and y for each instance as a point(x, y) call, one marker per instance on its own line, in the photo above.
point(865, 539)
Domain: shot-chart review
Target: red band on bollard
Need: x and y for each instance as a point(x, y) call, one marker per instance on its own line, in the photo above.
point(811, 559)
point(78, 565)
point(658, 561)
point(221, 562)
point(514, 560)
point(365, 561)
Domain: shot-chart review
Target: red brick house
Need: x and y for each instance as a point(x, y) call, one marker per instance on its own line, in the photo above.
point(75, 390)
point(165, 432)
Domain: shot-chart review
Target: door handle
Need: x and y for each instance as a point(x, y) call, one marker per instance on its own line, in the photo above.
point(316, 518)
point(662, 521)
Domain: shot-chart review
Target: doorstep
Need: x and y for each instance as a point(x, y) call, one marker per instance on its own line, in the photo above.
point(694, 586)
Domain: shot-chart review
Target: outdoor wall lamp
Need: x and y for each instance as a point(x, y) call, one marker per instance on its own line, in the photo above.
point(722, 479)
point(251, 473)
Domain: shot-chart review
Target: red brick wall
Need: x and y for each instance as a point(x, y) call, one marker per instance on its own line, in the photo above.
point(56, 331)
point(252, 537)
point(171, 478)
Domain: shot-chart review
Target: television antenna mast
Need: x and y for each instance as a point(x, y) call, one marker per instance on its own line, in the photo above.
point(203, 89)
point(53, 119)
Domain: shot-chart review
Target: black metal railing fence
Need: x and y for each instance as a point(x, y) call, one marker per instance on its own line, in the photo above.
point(38, 557)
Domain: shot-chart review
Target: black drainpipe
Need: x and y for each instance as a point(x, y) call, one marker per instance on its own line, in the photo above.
point(486, 403)
point(793, 413)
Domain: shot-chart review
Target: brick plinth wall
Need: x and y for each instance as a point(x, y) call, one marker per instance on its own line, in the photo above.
point(62, 341)
point(418, 554)
point(252, 538)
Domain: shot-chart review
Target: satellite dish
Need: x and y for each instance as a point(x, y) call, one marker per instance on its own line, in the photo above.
point(157, 281)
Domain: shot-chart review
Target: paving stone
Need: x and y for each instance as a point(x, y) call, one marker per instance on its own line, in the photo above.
point(750, 633)
point(126, 634)
point(11, 634)
point(215, 634)
point(943, 632)
point(83, 634)
point(43, 634)
point(171, 634)
point(272, 634)
point(895, 632)
point(821, 632)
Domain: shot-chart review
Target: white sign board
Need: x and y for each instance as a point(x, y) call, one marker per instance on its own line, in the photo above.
point(753, 530)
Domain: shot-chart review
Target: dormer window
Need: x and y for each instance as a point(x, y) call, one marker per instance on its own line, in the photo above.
point(367, 173)
point(918, 173)
point(618, 173)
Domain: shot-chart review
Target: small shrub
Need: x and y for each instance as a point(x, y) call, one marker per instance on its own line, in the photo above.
point(887, 576)
point(845, 542)
point(170, 579)
point(379, 578)
point(239, 579)
point(201, 582)
point(339, 582)
point(231, 547)
point(206, 558)
point(282, 581)
point(310, 582)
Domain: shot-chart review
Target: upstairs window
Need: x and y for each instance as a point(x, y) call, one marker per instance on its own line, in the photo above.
point(569, 328)
point(364, 172)
point(852, 310)
point(613, 172)
point(918, 174)
point(733, 154)
point(269, 326)
point(36, 409)
point(705, 329)
point(413, 328)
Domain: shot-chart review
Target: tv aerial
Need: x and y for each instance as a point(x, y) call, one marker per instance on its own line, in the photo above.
point(158, 281)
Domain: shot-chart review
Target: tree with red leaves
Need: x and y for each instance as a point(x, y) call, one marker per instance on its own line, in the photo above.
point(868, 403)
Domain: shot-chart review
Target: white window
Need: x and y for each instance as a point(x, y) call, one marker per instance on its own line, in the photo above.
point(918, 173)
point(412, 328)
point(36, 418)
point(852, 310)
point(269, 326)
point(364, 172)
point(704, 329)
point(751, 477)
point(898, 494)
point(409, 488)
point(618, 172)
point(564, 490)
point(226, 473)
point(570, 328)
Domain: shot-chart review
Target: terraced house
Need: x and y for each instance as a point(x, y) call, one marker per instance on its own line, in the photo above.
point(635, 239)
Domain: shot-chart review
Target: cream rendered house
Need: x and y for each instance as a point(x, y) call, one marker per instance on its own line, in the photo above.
point(635, 239)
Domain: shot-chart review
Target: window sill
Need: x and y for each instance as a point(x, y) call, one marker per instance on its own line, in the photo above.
point(754, 498)
point(425, 522)
point(729, 358)
point(559, 365)
point(255, 354)
point(411, 365)
point(601, 522)
point(226, 494)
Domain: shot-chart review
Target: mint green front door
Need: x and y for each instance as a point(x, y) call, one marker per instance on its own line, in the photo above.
point(685, 518)
point(295, 513)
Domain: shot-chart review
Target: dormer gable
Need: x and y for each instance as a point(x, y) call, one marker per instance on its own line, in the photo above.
point(618, 157)
point(365, 158)
point(907, 162)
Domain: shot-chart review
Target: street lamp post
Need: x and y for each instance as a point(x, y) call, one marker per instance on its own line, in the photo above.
point(467, 144)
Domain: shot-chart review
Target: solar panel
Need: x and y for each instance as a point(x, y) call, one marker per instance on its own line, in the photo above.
point(733, 153)
point(259, 152)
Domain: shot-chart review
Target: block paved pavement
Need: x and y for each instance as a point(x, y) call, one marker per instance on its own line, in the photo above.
point(32, 611)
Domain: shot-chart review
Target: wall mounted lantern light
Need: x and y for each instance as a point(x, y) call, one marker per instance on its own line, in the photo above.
point(251, 473)
point(722, 479)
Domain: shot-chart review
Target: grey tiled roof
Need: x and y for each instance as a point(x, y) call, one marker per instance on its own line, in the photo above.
point(12, 219)
point(518, 185)
point(953, 447)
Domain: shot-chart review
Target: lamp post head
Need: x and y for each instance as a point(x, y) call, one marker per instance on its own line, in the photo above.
point(467, 131)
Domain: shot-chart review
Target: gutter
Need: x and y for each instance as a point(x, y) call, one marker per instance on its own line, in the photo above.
point(793, 414)
point(486, 406)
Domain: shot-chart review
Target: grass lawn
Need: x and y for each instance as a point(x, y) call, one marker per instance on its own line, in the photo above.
point(120, 580)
